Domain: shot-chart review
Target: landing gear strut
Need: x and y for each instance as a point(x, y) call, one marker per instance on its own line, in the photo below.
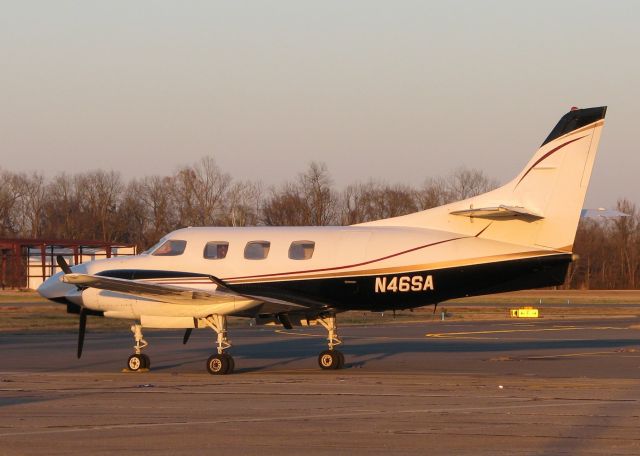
point(220, 363)
point(330, 359)
point(138, 360)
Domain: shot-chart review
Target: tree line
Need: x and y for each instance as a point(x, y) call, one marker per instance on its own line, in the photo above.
point(102, 205)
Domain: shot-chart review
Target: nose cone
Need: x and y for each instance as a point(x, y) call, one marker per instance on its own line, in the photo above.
point(53, 288)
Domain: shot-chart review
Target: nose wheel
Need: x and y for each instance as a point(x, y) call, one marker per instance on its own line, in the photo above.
point(138, 360)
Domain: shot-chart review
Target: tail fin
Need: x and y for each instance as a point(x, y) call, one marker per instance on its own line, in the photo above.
point(541, 206)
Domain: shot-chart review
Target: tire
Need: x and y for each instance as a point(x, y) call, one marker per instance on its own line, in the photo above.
point(329, 359)
point(232, 363)
point(340, 359)
point(218, 364)
point(146, 361)
point(135, 363)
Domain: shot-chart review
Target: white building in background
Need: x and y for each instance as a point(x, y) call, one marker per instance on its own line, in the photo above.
point(40, 267)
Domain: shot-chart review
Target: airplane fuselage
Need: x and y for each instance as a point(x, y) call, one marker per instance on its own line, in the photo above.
point(364, 268)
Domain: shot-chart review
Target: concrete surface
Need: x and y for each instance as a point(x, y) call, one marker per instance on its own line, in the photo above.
point(510, 387)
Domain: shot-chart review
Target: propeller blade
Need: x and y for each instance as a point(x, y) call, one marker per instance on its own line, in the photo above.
point(187, 334)
point(81, 330)
point(285, 320)
point(63, 264)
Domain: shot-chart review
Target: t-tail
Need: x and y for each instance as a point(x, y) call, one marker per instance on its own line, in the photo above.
point(541, 206)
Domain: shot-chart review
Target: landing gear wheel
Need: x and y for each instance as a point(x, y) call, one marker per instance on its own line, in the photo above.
point(220, 364)
point(146, 361)
point(331, 359)
point(135, 362)
point(232, 363)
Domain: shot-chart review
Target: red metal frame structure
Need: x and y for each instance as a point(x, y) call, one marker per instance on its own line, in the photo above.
point(14, 257)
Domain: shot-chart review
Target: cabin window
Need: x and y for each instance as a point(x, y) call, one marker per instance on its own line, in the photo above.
point(216, 250)
point(301, 250)
point(257, 250)
point(172, 247)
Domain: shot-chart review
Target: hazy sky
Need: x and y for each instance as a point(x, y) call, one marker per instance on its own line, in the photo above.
point(392, 90)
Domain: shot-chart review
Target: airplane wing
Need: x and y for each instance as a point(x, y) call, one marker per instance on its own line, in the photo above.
point(180, 295)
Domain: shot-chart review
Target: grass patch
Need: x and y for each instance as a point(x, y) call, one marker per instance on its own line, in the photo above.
point(27, 311)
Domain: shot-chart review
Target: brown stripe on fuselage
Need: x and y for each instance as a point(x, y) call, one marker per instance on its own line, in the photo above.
point(277, 274)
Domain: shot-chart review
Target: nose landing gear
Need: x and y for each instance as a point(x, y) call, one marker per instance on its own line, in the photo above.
point(220, 363)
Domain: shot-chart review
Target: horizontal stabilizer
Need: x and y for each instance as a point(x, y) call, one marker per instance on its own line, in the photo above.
point(601, 212)
point(498, 212)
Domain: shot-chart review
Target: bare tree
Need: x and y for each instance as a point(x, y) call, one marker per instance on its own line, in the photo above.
point(375, 200)
point(285, 206)
point(200, 191)
point(625, 236)
point(63, 208)
point(101, 194)
point(465, 183)
point(158, 197)
point(433, 193)
point(243, 204)
point(10, 195)
point(308, 201)
point(315, 186)
point(33, 202)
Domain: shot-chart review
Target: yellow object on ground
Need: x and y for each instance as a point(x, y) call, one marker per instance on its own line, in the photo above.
point(524, 312)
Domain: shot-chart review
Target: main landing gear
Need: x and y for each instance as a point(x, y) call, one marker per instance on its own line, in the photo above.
point(220, 363)
point(138, 360)
point(331, 359)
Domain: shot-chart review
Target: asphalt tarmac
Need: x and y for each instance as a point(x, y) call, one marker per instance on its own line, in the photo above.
point(492, 387)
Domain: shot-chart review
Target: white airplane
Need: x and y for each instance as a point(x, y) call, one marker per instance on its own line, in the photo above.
point(519, 236)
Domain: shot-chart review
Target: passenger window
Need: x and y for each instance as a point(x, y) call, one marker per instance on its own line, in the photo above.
point(172, 247)
point(301, 250)
point(257, 250)
point(216, 250)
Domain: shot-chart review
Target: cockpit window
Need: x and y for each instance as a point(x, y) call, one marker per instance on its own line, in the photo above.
point(153, 247)
point(172, 247)
point(216, 250)
point(301, 250)
point(257, 250)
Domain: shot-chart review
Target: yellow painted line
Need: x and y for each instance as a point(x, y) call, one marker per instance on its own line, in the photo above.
point(454, 335)
point(288, 332)
point(572, 354)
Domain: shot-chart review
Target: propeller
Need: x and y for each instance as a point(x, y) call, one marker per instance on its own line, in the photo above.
point(62, 263)
point(82, 324)
point(81, 329)
point(187, 334)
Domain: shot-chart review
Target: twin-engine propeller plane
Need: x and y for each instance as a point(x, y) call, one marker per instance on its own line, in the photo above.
point(518, 236)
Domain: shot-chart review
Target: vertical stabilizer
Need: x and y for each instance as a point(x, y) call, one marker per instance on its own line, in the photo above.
point(541, 206)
